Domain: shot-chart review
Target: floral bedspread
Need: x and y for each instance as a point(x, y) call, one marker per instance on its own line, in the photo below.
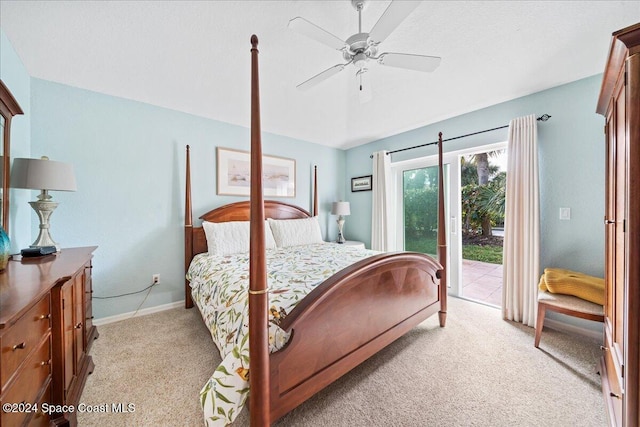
point(219, 286)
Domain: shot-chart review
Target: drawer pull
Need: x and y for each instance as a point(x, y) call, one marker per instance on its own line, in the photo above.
point(45, 316)
point(20, 346)
point(612, 394)
point(609, 221)
point(604, 348)
point(45, 362)
point(79, 326)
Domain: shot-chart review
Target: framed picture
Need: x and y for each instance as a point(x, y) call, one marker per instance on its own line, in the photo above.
point(234, 174)
point(361, 183)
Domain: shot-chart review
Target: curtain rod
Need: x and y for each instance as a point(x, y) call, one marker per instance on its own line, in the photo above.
point(542, 118)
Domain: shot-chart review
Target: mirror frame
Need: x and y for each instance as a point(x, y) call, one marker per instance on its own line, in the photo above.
point(8, 108)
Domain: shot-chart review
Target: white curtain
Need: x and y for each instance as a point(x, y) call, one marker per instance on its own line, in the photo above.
point(381, 222)
point(521, 263)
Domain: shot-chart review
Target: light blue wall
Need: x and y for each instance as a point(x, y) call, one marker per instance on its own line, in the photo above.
point(571, 164)
point(15, 77)
point(129, 162)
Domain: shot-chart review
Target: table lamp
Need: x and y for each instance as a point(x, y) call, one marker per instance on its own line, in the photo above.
point(44, 175)
point(341, 209)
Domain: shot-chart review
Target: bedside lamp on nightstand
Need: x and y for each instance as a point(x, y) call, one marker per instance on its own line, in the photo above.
point(44, 175)
point(341, 209)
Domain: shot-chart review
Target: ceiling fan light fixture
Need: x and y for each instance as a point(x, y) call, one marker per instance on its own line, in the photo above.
point(360, 60)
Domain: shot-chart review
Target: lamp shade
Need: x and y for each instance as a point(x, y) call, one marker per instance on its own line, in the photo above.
point(340, 208)
point(42, 174)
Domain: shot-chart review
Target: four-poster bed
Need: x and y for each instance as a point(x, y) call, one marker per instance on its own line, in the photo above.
point(359, 303)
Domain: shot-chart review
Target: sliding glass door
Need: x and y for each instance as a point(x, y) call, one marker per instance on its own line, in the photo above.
point(416, 189)
point(420, 206)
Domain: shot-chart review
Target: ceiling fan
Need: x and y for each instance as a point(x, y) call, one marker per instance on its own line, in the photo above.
point(361, 49)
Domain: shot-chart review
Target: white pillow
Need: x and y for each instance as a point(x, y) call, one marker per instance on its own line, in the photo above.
point(295, 232)
point(226, 238)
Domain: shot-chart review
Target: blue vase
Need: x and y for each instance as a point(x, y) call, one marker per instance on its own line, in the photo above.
point(5, 248)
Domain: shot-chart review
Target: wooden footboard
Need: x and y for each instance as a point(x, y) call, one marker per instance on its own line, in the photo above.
point(347, 319)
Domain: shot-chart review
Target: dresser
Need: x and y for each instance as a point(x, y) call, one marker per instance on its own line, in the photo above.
point(619, 103)
point(46, 331)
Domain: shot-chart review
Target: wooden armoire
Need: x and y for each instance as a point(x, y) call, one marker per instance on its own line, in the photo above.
point(619, 103)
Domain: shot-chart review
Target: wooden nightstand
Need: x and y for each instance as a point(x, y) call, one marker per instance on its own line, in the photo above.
point(351, 243)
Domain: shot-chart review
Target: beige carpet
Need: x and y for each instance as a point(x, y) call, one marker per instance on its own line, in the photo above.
point(477, 371)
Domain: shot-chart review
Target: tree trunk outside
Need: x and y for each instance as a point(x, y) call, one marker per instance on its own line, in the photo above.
point(482, 165)
point(486, 226)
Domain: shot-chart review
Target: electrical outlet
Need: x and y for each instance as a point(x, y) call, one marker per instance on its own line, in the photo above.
point(155, 279)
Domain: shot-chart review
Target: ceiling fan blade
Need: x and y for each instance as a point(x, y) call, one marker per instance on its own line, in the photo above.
point(316, 33)
point(391, 18)
point(409, 61)
point(321, 77)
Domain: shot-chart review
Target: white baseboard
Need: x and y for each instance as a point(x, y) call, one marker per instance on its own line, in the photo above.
point(143, 312)
point(565, 327)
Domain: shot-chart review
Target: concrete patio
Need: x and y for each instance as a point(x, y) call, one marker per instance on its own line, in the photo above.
point(482, 282)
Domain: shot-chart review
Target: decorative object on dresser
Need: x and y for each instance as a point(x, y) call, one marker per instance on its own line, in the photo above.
point(36, 252)
point(8, 108)
point(341, 209)
point(44, 175)
point(46, 332)
point(619, 103)
point(5, 249)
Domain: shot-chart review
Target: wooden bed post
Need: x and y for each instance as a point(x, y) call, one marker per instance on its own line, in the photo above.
point(315, 190)
point(442, 239)
point(259, 400)
point(188, 234)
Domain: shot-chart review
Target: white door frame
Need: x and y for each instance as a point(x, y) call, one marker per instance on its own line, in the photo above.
point(452, 229)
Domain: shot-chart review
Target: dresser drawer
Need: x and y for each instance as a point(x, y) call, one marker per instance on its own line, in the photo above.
point(34, 375)
point(40, 419)
point(23, 337)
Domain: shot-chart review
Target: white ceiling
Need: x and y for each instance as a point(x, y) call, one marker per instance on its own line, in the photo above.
point(193, 56)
